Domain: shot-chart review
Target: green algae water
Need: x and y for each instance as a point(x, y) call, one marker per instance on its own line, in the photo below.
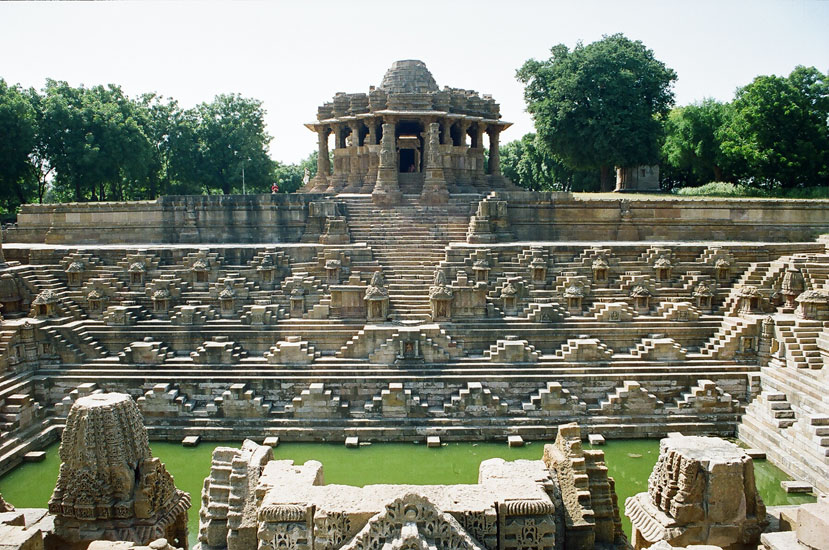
point(629, 462)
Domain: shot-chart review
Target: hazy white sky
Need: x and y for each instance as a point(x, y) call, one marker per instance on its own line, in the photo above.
point(295, 55)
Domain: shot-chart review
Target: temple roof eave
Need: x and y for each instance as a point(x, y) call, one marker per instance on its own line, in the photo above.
point(313, 126)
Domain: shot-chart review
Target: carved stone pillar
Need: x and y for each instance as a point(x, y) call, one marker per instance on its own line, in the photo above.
point(463, 172)
point(434, 184)
point(338, 136)
point(463, 126)
point(323, 162)
point(494, 152)
point(338, 174)
point(387, 189)
point(447, 132)
point(478, 136)
point(477, 154)
point(354, 179)
point(372, 133)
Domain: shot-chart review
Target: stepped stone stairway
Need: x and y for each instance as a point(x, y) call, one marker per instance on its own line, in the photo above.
point(408, 241)
point(533, 362)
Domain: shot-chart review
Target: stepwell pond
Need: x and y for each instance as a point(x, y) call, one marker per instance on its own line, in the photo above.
point(629, 461)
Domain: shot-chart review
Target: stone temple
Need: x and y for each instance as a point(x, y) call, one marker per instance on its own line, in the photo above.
point(409, 136)
point(412, 292)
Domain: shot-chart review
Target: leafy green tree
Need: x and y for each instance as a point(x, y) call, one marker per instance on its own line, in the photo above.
point(18, 138)
point(94, 139)
point(290, 177)
point(231, 137)
point(42, 169)
point(778, 134)
point(528, 164)
point(600, 105)
point(160, 120)
point(692, 153)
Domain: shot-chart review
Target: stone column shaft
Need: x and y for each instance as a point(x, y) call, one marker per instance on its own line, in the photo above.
point(463, 126)
point(494, 152)
point(323, 162)
point(372, 133)
point(354, 158)
point(447, 132)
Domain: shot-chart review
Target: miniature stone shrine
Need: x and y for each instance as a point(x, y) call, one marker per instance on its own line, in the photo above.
point(110, 487)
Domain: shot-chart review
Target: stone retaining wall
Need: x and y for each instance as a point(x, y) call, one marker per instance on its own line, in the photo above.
point(171, 219)
point(530, 216)
point(502, 217)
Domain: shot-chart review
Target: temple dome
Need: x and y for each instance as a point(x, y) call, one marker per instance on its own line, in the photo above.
point(407, 77)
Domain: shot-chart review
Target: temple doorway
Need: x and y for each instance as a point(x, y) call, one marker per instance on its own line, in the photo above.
point(410, 146)
point(407, 160)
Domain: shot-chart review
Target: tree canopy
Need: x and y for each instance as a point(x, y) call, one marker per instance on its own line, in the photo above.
point(692, 153)
point(600, 105)
point(70, 143)
point(778, 133)
point(18, 138)
point(528, 164)
point(231, 137)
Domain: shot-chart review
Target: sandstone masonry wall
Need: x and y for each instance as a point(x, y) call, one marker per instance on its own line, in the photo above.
point(530, 216)
point(171, 219)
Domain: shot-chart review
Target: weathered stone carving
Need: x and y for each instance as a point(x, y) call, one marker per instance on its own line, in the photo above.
point(317, 402)
point(240, 402)
point(11, 299)
point(512, 350)
point(164, 400)
point(45, 305)
point(813, 304)
point(440, 297)
point(434, 185)
point(554, 398)
point(228, 515)
point(412, 522)
point(110, 486)
point(377, 298)
point(701, 491)
point(584, 349)
point(386, 190)
point(5, 506)
point(708, 398)
point(591, 516)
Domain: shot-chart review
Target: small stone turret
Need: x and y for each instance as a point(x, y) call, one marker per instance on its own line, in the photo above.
point(110, 487)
